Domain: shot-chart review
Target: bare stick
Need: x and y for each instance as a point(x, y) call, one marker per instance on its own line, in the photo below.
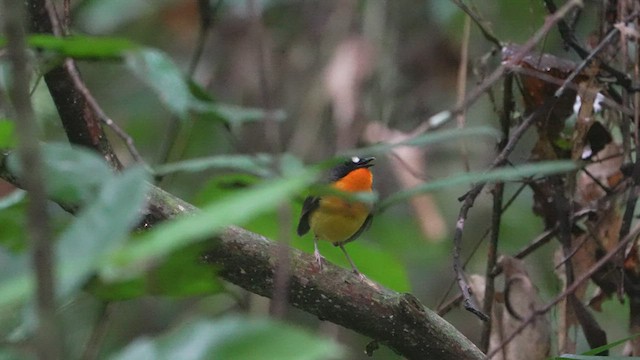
point(49, 336)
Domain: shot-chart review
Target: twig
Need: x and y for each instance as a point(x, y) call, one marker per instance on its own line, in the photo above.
point(570, 289)
point(496, 216)
point(92, 349)
point(49, 336)
point(441, 118)
point(461, 88)
point(469, 199)
point(93, 104)
point(567, 36)
point(611, 36)
point(488, 34)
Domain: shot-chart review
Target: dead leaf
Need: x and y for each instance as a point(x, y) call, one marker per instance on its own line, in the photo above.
point(520, 299)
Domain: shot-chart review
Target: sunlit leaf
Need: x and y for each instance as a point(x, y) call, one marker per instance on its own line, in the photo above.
point(502, 174)
point(233, 209)
point(78, 46)
point(7, 137)
point(233, 338)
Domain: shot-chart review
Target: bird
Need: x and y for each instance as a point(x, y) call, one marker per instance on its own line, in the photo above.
point(336, 219)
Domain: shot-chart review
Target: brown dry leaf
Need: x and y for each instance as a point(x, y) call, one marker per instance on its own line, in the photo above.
point(605, 167)
point(541, 75)
point(409, 168)
point(520, 300)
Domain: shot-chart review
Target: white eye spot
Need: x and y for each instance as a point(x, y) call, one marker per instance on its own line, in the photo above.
point(355, 159)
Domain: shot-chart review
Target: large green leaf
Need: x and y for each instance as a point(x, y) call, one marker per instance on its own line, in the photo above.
point(73, 174)
point(501, 174)
point(181, 274)
point(371, 260)
point(99, 228)
point(96, 230)
point(233, 209)
point(157, 70)
point(233, 338)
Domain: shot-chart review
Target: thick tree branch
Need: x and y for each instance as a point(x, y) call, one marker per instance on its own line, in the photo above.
point(249, 260)
point(80, 121)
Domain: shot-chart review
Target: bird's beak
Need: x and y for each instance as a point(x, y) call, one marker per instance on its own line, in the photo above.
point(367, 162)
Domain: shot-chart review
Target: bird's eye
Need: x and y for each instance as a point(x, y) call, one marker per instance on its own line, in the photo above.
point(355, 159)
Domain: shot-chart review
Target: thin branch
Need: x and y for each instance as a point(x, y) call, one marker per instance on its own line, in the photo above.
point(92, 348)
point(486, 32)
point(49, 336)
point(567, 36)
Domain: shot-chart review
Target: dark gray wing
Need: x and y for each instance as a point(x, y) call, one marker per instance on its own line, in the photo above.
point(310, 204)
point(363, 228)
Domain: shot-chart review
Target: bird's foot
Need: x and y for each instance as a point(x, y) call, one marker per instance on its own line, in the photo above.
point(320, 261)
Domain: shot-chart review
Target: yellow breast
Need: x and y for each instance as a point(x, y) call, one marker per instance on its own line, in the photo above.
point(336, 220)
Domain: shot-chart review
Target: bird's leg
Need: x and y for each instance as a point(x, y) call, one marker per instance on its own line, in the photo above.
point(316, 253)
point(353, 265)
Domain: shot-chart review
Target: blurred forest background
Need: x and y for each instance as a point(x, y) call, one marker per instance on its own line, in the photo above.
point(311, 79)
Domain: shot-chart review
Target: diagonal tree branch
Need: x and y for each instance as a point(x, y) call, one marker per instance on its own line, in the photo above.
point(249, 260)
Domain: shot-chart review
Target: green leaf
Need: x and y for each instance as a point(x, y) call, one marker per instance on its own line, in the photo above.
point(374, 262)
point(501, 174)
point(234, 114)
point(117, 291)
point(158, 71)
point(234, 338)
point(259, 164)
point(234, 209)
point(73, 174)
point(80, 47)
point(184, 274)
point(610, 346)
point(16, 281)
point(428, 138)
point(7, 137)
point(99, 228)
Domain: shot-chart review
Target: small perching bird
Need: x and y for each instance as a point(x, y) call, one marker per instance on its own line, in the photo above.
point(336, 219)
